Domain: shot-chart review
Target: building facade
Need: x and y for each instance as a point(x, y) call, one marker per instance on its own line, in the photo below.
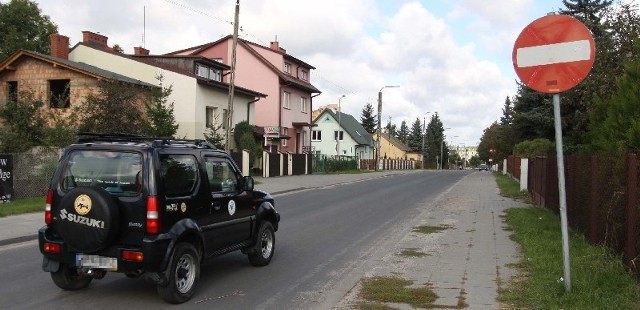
point(284, 116)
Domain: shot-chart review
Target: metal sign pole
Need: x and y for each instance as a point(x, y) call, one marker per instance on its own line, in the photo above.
point(562, 192)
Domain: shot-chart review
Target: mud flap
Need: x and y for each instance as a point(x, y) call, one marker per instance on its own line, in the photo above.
point(49, 265)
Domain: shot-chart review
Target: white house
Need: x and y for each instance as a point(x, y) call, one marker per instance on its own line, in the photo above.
point(354, 139)
point(200, 97)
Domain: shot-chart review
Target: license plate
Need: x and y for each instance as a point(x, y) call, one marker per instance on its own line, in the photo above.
point(96, 261)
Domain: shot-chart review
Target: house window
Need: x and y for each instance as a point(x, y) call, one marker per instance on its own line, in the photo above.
point(210, 117)
point(287, 68)
point(12, 91)
point(335, 135)
point(303, 105)
point(304, 75)
point(316, 135)
point(286, 100)
point(59, 94)
point(202, 71)
point(215, 74)
point(285, 132)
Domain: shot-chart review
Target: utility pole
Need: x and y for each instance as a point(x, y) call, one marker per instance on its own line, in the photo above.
point(232, 78)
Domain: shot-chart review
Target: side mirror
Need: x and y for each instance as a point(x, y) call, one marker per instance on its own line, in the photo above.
point(247, 183)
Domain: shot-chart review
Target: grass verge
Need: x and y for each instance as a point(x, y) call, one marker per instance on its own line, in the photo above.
point(599, 280)
point(510, 188)
point(21, 206)
point(394, 290)
point(412, 252)
point(426, 229)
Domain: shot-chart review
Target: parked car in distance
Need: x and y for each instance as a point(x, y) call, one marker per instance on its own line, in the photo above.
point(484, 167)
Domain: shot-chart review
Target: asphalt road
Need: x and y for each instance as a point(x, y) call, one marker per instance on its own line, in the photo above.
point(327, 239)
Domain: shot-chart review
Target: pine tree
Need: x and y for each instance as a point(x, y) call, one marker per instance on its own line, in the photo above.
point(403, 132)
point(367, 119)
point(415, 136)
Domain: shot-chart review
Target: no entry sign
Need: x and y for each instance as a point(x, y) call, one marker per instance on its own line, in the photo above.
point(554, 53)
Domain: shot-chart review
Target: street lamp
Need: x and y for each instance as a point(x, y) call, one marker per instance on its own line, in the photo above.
point(441, 147)
point(339, 126)
point(424, 129)
point(379, 122)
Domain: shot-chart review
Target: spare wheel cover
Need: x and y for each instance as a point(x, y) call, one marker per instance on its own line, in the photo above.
point(88, 219)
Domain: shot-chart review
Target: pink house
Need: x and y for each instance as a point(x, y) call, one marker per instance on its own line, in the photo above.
point(283, 119)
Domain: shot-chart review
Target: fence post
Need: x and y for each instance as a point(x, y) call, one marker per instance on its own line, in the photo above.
point(593, 227)
point(524, 174)
point(631, 250)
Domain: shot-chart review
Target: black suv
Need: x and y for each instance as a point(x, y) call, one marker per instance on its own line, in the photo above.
point(155, 208)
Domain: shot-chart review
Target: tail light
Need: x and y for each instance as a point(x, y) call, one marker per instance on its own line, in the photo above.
point(50, 247)
point(153, 220)
point(132, 256)
point(47, 207)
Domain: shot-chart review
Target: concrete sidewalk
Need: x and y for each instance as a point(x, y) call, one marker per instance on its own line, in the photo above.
point(467, 263)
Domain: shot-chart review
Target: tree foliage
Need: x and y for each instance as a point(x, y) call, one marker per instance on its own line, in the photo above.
point(403, 132)
point(616, 119)
point(23, 124)
point(434, 140)
point(415, 136)
point(162, 121)
point(245, 140)
point(368, 119)
point(22, 26)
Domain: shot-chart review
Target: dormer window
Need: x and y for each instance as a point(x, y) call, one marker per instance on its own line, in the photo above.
point(303, 75)
point(209, 72)
point(287, 68)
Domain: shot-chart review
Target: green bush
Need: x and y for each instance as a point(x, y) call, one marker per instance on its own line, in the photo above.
point(532, 148)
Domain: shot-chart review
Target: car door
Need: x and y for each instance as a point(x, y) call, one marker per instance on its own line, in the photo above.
point(231, 207)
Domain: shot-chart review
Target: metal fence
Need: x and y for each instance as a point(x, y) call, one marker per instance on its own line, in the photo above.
point(602, 199)
point(33, 171)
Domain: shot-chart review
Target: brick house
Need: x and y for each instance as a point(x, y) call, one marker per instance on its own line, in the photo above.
point(284, 118)
point(199, 94)
point(392, 148)
point(59, 83)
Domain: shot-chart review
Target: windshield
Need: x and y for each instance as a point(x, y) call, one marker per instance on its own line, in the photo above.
point(119, 173)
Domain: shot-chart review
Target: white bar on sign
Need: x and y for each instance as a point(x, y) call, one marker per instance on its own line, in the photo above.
point(553, 53)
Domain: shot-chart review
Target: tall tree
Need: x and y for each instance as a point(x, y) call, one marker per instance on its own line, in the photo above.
point(115, 106)
point(532, 114)
point(434, 140)
point(616, 120)
point(390, 128)
point(507, 113)
point(162, 121)
point(415, 136)
point(403, 132)
point(368, 119)
point(22, 26)
point(22, 123)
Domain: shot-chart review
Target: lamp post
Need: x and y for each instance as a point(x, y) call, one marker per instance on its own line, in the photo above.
point(424, 133)
point(379, 122)
point(441, 147)
point(339, 126)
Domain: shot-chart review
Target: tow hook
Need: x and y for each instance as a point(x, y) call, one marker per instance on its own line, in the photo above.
point(96, 273)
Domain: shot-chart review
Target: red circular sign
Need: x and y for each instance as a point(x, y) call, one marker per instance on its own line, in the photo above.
point(554, 53)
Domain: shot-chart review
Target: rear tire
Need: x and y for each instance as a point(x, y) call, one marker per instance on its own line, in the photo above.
point(265, 245)
point(182, 274)
point(67, 278)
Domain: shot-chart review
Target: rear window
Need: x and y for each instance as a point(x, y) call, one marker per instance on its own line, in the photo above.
point(119, 173)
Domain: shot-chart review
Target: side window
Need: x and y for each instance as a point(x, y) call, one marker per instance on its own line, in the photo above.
point(179, 174)
point(222, 177)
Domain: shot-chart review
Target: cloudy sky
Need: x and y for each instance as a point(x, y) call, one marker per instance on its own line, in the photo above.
point(452, 57)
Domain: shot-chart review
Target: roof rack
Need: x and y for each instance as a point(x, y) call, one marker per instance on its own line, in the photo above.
point(88, 137)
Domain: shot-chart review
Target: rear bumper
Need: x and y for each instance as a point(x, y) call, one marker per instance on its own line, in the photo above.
point(153, 248)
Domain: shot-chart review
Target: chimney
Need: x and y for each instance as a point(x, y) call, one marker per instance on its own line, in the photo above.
point(59, 46)
point(276, 47)
point(94, 39)
point(140, 51)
